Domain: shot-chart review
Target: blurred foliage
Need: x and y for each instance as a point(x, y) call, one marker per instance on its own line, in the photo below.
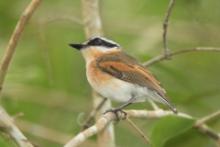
point(46, 79)
point(169, 127)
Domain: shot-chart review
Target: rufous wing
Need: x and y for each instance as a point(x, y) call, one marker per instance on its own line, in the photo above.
point(126, 68)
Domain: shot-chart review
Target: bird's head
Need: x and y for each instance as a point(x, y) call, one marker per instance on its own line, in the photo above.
point(96, 46)
point(100, 43)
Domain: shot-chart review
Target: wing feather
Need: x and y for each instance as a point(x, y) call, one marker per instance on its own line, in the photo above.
point(126, 68)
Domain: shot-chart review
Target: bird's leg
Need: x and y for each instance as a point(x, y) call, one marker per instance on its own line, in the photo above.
point(92, 114)
point(119, 108)
point(130, 101)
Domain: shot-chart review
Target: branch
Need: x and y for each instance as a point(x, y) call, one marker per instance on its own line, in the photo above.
point(47, 133)
point(10, 49)
point(146, 139)
point(7, 126)
point(165, 27)
point(163, 57)
point(143, 114)
point(203, 128)
point(6, 123)
point(107, 118)
point(100, 125)
point(208, 118)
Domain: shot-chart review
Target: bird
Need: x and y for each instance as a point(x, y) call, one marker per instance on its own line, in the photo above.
point(114, 74)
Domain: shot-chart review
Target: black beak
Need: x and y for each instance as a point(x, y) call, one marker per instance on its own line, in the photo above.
point(77, 46)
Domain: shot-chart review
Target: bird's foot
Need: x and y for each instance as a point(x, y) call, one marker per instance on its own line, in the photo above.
point(119, 113)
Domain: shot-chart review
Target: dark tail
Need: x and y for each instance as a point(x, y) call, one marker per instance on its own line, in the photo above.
point(171, 106)
point(165, 101)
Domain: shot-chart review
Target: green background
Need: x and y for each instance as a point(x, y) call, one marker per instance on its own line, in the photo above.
point(46, 80)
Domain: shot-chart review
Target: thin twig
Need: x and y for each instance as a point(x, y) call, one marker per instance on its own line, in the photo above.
point(146, 139)
point(163, 57)
point(6, 123)
point(153, 104)
point(207, 118)
point(16, 35)
point(92, 114)
point(202, 127)
point(165, 27)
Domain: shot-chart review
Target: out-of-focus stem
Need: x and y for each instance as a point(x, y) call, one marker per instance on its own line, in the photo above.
point(93, 27)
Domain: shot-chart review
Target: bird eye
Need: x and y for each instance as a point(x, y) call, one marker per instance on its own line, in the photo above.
point(98, 41)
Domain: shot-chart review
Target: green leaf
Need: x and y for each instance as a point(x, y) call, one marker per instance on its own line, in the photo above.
point(169, 127)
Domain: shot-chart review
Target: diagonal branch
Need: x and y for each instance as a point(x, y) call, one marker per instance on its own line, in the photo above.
point(207, 118)
point(202, 127)
point(10, 49)
point(7, 126)
point(100, 125)
point(146, 139)
point(92, 114)
point(6, 123)
point(184, 51)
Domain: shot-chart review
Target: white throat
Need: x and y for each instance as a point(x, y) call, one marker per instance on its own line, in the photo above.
point(92, 53)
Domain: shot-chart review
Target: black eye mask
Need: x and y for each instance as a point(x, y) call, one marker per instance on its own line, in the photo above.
point(100, 42)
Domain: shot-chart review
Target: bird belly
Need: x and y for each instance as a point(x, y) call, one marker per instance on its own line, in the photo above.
point(116, 90)
point(112, 89)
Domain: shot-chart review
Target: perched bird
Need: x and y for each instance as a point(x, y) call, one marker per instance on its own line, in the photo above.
point(117, 76)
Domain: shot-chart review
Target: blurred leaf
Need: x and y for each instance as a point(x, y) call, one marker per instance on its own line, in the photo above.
point(190, 138)
point(169, 127)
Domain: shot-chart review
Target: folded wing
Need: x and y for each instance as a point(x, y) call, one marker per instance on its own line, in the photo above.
point(126, 68)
